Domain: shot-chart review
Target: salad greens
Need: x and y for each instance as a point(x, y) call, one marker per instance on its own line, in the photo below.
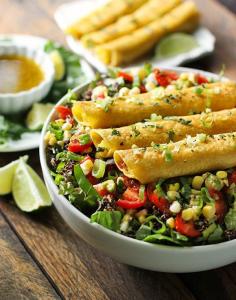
point(10, 130)
point(108, 219)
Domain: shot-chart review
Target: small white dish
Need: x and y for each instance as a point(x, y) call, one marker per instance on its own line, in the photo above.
point(11, 103)
point(67, 13)
point(30, 141)
point(130, 251)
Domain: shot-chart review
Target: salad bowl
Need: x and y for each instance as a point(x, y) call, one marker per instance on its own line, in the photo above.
point(127, 250)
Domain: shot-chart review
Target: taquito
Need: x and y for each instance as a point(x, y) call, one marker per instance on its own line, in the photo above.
point(185, 17)
point(169, 129)
point(103, 16)
point(186, 157)
point(147, 13)
point(128, 110)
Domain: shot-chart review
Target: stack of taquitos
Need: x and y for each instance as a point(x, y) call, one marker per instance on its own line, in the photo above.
point(147, 13)
point(127, 48)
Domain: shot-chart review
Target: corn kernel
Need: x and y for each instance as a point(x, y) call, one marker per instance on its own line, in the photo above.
point(170, 223)
point(124, 92)
point(134, 91)
point(209, 211)
point(197, 182)
point(184, 76)
point(150, 86)
point(52, 141)
point(172, 195)
point(141, 215)
point(47, 137)
point(175, 207)
point(87, 166)
point(66, 126)
point(188, 214)
point(67, 136)
point(221, 174)
point(174, 187)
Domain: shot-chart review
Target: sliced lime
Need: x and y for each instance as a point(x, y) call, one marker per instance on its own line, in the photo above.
point(28, 189)
point(59, 64)
point(7, 174)
point(38, 115)
point(175, 44)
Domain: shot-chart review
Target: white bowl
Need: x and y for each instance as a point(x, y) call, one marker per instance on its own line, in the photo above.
point(130, 251)
point(11, 103)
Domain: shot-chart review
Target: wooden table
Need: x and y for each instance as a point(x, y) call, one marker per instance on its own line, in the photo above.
point(41, 258)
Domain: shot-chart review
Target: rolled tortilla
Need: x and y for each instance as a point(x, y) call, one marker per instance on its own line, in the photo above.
point(174, 129)
point(185, 17)
point(123, 111)
point(147, 13)
point(103, 16)
point(186, 157)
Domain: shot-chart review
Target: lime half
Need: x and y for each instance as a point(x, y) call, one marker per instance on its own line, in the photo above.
point(175, 44)
point(7, 174)
point(28, 189)
point(38, 115)
point(59, 64)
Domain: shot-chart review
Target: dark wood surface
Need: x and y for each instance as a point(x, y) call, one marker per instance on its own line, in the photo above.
point(41, 258)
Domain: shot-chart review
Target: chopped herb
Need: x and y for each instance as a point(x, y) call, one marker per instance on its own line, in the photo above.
point(168, 155)
point(171, 135)
point(115, 132)
point(135, 131)
point(198, 90)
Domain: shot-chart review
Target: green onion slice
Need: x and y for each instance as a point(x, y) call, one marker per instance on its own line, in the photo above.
point(99, 168)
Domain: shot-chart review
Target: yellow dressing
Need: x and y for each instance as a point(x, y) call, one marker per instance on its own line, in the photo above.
point(18, 73)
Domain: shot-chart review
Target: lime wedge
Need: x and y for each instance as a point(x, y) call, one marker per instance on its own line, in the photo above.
point(59, 64)
point(38, 115)
point(175, 44)
point(7, 174)
point(28, 189)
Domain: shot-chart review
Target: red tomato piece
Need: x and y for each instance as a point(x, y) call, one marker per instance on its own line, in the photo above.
point(101, 190)
point(63, 111)
point(220, 204)
point(232, 177)
point(126, 76)
point(186, 228)
point(131, 199)
point(76, 147)
point(143, 89)
point(164, 78)
point(92, 179)
point(201, 79)
point(160, 202)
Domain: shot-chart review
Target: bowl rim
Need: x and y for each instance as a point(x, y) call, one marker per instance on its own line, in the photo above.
point(108, 232)
point(48, 74)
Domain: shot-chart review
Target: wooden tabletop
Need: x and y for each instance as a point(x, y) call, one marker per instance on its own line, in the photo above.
point(41, 258)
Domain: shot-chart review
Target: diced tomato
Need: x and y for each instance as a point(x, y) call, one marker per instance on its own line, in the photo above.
point(131, 199)
point(232, 177)
point(143, 89)
point(164, 78)
point(201, 79)
point(75, 146)
point(63, 111)
point(101, 190)
point(92, 179)
point(186, 228)
point(160, 202)
point(220, 204)
point(126, 76)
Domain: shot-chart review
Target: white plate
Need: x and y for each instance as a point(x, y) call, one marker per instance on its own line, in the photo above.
point(31, 140)
point(69, 12)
